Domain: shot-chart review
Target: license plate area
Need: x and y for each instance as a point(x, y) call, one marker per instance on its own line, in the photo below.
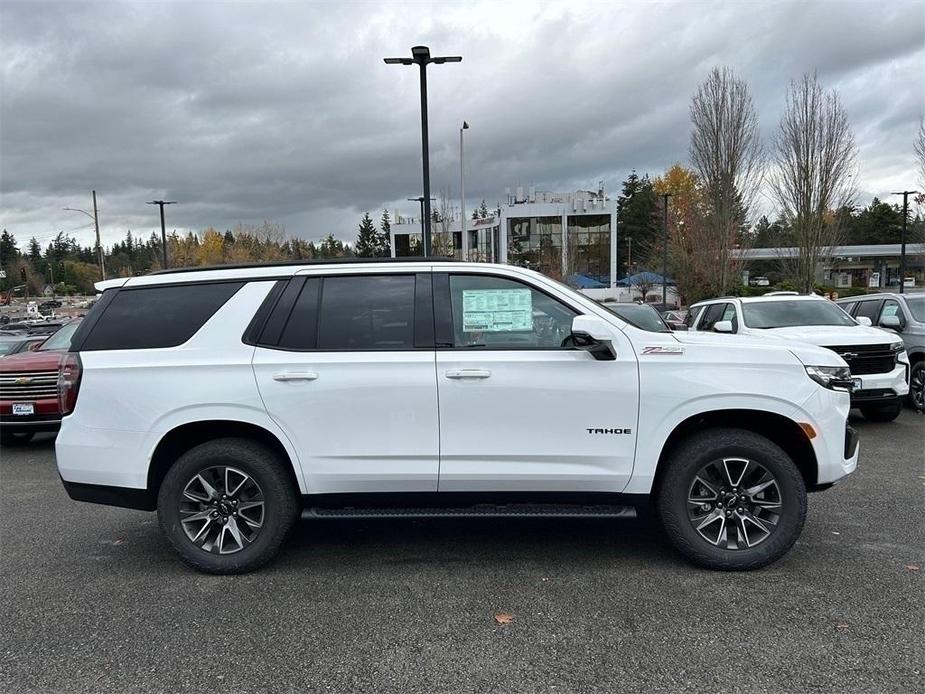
point(23, 408)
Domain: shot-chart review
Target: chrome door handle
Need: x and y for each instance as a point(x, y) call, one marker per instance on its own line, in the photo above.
point(468, 373)
point(295, 376)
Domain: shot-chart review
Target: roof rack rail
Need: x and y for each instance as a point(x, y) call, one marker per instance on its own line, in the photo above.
point(316, 261)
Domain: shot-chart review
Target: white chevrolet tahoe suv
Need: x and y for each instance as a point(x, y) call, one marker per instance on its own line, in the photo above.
point(878, 361)
point(233, 399)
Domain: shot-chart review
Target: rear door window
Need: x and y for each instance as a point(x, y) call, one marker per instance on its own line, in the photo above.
point(691, 317)
point(367, 313)
point(154, 317)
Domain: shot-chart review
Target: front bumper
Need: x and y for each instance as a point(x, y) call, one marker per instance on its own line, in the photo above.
point(882, 388)
point(33, 423)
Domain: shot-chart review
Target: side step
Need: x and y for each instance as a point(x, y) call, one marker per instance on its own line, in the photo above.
point(477, 511)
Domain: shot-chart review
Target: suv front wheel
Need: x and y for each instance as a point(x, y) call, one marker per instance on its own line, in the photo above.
point(227, 505)
point(731, 499)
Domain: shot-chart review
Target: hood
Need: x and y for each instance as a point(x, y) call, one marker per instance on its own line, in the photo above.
point(31, 361)
point(832, 335)
point(808, 354)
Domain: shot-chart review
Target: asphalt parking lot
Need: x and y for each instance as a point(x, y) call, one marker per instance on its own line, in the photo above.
point(92, 600)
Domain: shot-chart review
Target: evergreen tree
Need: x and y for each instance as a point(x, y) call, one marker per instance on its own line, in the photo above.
point(637, 218)
point(35, 250)
point(367, 238)
point(385, 235)
point(8, 249)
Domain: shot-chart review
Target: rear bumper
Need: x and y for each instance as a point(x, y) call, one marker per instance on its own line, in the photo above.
point(139, 499)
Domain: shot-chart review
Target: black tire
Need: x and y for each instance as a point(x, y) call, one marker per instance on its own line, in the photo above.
point(684, 464)
point(281, 503)
point(882, 413)
point(917, 386)
point(15, 438)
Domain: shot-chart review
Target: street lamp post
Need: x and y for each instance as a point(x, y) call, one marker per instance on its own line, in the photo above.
point(420, 56)
point(96, 224)
point(161, 203)
point(665, 197)
point(462, 193)
point(420, 200)
point(902, 250)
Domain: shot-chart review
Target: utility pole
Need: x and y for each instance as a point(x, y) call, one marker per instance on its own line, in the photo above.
point(462, 193)
point(420, 199)
point(420, 56)
point(665, 197)
point(96, 224)
point(161, 203)
point(902, 250)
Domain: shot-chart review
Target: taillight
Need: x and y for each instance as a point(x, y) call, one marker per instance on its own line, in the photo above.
point(69, 371)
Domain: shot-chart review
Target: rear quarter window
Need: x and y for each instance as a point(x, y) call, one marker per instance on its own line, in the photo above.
point(152, 317)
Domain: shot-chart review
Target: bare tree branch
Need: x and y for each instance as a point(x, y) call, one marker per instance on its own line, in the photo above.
point(814, 156)
point(727, 153)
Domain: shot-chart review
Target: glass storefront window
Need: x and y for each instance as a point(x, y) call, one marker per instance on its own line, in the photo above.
point(536, 243)
point(589, 246)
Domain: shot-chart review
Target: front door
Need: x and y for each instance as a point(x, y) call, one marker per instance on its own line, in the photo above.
point(519, 409)
point(345, 366)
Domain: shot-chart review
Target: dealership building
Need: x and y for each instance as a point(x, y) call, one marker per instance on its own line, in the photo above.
point(568, 236)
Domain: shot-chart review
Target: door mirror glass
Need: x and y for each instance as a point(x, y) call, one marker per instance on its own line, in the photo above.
point(863, 320)
point(723, 326)
point(890, 322)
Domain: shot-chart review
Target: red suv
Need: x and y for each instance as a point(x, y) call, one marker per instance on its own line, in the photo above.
point(29, 389)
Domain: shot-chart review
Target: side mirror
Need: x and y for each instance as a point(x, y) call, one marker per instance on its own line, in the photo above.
point(593, 335)
point(722, 326)
point(891, 323)
point(864, 320)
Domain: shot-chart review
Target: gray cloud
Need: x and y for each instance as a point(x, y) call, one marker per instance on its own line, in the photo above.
point(246, 112)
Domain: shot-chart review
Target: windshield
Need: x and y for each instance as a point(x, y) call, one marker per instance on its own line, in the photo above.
point(640, 316)
point(917, 308)
point(61, 339)
point(786, 314)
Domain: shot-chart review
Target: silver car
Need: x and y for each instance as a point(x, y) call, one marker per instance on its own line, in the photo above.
point(905, 315)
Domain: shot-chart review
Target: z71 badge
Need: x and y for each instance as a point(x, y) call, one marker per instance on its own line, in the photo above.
point(663, 349)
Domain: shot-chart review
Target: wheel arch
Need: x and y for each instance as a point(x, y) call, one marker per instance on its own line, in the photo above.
point(186, 436)
point(778, 428)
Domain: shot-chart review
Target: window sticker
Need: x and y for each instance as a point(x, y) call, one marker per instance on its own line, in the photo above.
point(497, 310)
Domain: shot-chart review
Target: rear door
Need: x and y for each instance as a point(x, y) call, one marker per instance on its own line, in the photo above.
point(519, 409)
point(345, 365)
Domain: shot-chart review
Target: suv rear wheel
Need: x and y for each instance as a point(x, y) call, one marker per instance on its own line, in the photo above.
point(731, 499)
point(227, 505)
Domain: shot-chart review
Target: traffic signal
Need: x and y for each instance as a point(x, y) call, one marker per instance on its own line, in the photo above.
point(22, 273)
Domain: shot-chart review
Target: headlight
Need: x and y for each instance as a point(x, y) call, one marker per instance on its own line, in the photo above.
point(832, 377)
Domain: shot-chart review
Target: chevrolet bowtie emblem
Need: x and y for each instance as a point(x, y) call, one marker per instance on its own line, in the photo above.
point(24, 381)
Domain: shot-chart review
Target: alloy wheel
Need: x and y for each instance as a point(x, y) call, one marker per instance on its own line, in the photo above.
point(917, 388)
point(734, 503)
point(222, 510)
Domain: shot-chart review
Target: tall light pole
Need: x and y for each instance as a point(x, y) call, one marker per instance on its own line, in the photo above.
point(420, 199)
point(96, 223)
point(420, 56)
point(902, 250)
point(161, 203)
point(665, 197)
point(462, 193)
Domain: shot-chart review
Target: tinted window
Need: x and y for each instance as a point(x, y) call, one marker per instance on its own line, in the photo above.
point(494, 312)
point(301, 329)
point(367, 313)
point(711, 315)
point(157, 316)
point(62, 338)
point(691, 317)
point(729, 314)
point(848, 307)
point(917, 307)
point(868, 309)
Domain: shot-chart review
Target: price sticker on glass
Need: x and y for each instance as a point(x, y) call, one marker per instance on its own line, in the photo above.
point(497, 310)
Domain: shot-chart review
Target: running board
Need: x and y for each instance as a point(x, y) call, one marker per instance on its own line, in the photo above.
point(478, 511)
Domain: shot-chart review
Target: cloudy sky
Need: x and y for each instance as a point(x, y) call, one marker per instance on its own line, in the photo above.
point(285, 111)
